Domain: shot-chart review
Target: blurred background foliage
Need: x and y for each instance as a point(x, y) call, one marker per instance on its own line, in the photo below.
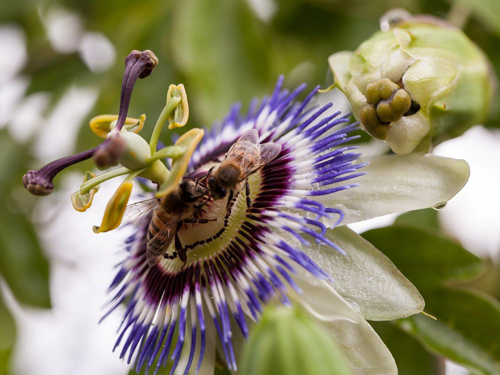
point(224, 50)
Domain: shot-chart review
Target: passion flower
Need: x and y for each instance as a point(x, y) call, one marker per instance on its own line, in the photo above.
point(241, 256)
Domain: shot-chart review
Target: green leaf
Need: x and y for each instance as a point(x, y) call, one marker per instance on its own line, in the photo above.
point(486, 10)
point(427, 259)
point(425, 219)
point(468, 324)
point(410, 356)
point(467, 329)
point(219, 47)
point(365, 277)
point(7, 326)
point(22, 263)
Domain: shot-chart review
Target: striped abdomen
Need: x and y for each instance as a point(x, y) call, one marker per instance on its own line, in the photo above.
point(161, 231)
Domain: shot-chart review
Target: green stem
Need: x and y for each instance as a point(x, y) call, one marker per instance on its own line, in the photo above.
point(172, 152)
point(156, 172)
point(97, 180)
point(134, 174)
point(171, 105)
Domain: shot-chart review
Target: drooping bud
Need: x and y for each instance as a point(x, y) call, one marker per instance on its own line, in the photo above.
point(81, 202)
point(418, 82)
point(101, 125)
point(286, 341)
point(179, 117)
point(115, 209)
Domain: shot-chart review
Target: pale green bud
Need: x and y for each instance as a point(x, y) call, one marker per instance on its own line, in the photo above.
point(418, 83)
point(137, 152)
point(287, 342)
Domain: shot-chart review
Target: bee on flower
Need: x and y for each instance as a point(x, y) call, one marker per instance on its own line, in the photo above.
point(238, 219)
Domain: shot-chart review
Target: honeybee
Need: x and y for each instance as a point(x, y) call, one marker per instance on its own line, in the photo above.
point(245, 157)
point(170, 212)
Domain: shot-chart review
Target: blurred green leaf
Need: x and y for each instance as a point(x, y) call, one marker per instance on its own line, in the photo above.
point(7, 336)
point(22, 263)
point(425, 219)
point(467, 329)
point(410, 356)
point(427, 259)
point(219, 47)
point(7, 326)
point(486, 10)
point(468, 325)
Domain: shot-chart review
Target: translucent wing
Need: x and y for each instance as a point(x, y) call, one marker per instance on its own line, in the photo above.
point(250, 155)
point(245, 151)
point(138, 210)
point(269, 152)
point(158, 244)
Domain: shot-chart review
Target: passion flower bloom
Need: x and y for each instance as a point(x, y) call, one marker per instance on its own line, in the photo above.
point(179, 313)
point(417, 82)
point(286, 247)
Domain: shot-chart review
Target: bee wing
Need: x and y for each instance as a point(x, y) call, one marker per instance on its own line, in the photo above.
point(165, 235)
point(269, 152)
point(138, 210)
point(245, 151)
point(251, 136)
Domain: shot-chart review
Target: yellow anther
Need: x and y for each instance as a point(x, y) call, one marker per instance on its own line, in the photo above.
point(180, 115)
point(81, 202)
point(101, 125)
point(115, 209)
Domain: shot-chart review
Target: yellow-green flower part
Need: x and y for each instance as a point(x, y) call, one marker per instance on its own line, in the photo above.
point(418, 83)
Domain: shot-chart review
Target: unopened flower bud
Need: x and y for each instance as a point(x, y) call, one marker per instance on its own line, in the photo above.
point(418, 82)
point(286, 341)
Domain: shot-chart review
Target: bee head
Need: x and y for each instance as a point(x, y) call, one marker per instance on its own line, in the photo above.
point(192, 191)
point(218, 191)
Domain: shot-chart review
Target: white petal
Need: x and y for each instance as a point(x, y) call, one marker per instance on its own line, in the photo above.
point(366, 278)
point(395, 183)
point(363, 349)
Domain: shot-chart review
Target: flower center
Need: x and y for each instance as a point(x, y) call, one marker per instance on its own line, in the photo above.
point(206, 240)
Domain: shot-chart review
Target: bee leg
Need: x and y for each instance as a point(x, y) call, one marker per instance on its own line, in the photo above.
point(178, 244)
point(198, 221)
point(229, 200)
point(202, 204)
point(247, 191)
